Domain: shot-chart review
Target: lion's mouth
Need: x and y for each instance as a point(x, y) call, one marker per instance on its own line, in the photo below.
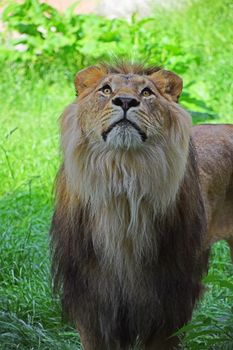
point(124, 122)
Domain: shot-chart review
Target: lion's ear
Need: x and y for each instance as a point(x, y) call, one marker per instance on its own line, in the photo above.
point(88, 77)
point(168, 83)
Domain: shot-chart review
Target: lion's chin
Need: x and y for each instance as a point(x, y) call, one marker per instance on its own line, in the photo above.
point(124, 137)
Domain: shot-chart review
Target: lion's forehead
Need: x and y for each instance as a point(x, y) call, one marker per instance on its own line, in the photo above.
point(129, 81)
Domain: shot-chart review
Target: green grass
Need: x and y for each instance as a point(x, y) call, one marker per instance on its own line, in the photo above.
point(212, 323)
point(30, 317)
point(197, 44)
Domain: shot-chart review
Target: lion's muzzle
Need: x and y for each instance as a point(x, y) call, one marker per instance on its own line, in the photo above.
point(124, 123)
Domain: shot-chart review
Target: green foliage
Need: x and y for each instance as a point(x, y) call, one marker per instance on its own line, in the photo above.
point(46, 37)
point(36, 84)
point(194, 41)
point(212, 324)
point(204, 30)
point(36, 36)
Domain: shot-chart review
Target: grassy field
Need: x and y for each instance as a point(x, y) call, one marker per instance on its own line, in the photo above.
point(29, 318)
point(196, 43)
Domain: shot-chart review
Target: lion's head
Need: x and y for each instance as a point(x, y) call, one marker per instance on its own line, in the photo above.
point(126, 116)
point(128, 106)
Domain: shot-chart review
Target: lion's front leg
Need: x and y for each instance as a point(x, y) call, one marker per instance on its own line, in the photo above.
point(230, 243)
point(159, 342)
point(89, 342)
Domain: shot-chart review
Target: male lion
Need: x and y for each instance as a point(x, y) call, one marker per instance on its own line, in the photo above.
point(129, 233)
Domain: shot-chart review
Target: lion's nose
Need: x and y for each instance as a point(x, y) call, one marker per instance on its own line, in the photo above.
point(125, 102)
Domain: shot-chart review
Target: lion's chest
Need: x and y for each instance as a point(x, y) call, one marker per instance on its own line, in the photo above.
point(124, 233)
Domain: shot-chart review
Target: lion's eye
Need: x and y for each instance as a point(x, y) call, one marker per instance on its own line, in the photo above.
point(106, 89)
point(146, 92)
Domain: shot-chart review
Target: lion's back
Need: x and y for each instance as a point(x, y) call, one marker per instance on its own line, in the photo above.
point(214, 145)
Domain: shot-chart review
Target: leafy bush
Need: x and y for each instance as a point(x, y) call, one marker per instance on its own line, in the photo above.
point(37, 37)
point(37, 34)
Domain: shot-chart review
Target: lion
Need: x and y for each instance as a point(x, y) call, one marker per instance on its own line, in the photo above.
point(140, 196)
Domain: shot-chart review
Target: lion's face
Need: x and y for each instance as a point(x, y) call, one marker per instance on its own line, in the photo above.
point(128, 112)
point(124, 111)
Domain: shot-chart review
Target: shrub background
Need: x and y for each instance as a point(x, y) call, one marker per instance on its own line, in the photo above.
point(40, 52)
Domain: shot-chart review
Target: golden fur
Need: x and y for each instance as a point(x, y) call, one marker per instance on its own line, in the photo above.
point(129, 228)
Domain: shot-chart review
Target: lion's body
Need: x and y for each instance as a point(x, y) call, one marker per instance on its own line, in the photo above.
point(214, 145)
point(129, 233)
